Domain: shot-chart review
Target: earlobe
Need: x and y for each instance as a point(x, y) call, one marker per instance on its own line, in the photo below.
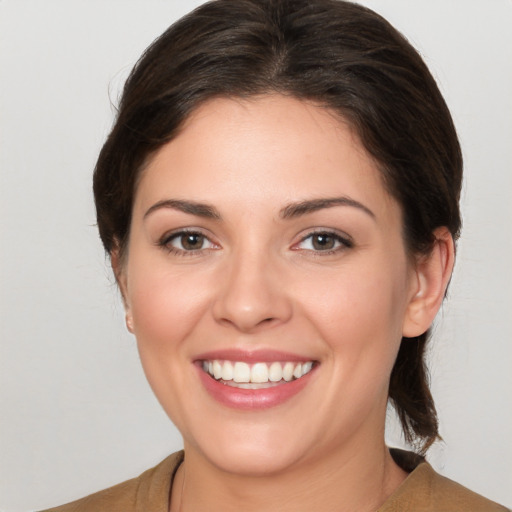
point(129, 322)
point(120, 275)
point(432, 275)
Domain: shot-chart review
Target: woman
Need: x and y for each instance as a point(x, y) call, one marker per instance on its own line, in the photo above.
point(279, 199)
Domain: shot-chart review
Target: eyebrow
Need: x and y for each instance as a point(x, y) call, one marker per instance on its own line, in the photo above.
point(192, 207)
point(304, 207)
point(290, 211)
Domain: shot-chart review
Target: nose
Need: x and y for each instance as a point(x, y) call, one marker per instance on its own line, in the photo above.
point(252, 295)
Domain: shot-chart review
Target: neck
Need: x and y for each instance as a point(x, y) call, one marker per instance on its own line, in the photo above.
point(361, 479)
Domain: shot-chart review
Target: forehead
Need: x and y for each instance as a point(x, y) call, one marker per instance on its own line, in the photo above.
point(269, 149)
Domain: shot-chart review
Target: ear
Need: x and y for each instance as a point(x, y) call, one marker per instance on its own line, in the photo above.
point(118, 268)
point(432, 274)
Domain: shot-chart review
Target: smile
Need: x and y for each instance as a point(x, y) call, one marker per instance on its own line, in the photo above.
point(259, 375)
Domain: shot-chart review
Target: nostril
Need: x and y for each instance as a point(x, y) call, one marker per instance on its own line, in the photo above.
point(247, 302)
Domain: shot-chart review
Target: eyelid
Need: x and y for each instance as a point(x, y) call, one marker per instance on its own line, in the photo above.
point(165, 240)
point(343, 238)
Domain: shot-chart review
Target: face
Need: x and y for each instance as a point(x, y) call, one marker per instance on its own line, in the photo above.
point(267, 284)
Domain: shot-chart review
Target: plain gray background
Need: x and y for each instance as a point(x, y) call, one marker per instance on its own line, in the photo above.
point(76, 413)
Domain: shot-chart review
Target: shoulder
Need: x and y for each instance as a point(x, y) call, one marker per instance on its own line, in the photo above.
point(453, 496)
point(452, 492)
point(150, 488)
point(427, 491)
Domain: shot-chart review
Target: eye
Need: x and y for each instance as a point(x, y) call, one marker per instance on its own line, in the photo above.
point(324, 241)
point(187, 242)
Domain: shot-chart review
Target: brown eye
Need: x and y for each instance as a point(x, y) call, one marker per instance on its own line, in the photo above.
point(323, 242)
point(192, 241)
point(187, 242)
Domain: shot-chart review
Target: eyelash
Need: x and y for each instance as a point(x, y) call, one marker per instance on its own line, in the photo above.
point(165, 242)
point(343, 241)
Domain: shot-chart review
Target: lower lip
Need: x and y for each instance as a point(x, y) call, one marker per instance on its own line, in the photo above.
point(251, 399)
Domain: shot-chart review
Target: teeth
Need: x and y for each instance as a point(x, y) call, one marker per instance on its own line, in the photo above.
point(306, 367)
point(217, 369)
point(288, 372)
point(259, 373)
point(241, 372)
point(275, 373)
point(227, 371)
point(251, 385)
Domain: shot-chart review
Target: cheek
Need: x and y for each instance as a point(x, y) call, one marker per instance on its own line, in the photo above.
point(165, 306)
point(359, 315)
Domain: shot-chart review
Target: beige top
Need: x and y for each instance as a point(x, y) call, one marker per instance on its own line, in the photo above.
point(423, 490)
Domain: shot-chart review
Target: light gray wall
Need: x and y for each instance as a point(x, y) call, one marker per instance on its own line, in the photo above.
point(76, 413)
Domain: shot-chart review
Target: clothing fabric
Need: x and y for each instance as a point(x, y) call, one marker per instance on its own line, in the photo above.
point(423, 490)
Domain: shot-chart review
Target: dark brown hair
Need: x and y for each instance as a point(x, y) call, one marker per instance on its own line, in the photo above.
point(338, 54)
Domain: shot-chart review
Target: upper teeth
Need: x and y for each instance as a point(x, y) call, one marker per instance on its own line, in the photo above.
point(239, 371)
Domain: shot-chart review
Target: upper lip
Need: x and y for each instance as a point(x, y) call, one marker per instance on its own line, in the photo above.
point(252, 356)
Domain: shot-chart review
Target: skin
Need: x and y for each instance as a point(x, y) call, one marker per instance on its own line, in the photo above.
point(258, 282)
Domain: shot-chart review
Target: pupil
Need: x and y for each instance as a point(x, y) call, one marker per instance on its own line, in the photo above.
point(192, 241)
point(323, 242)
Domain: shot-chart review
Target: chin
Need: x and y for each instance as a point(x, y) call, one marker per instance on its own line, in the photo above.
point(252, 451)
point(251, 461)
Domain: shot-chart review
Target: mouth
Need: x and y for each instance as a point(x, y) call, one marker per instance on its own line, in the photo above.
point(257, 375)
point(256, 379)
